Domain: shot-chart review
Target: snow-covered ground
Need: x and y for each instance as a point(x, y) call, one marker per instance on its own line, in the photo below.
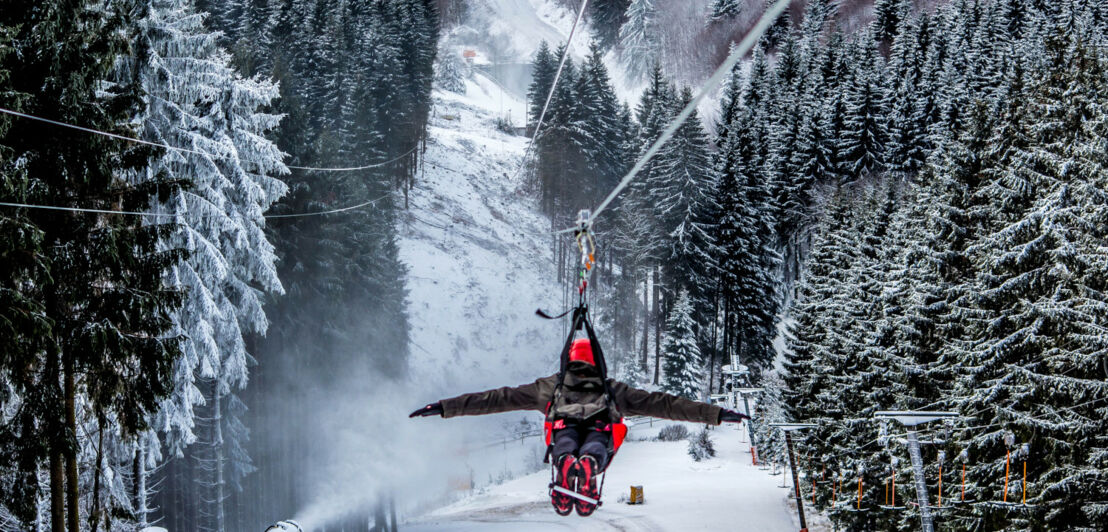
point(724, 493)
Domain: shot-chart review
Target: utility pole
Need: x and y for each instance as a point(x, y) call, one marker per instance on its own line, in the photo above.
point(910, 420)
point(789, 428)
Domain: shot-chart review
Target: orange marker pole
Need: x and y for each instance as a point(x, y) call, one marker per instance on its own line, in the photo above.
point(1007, 464)
point(963, 482)
point(1025, 482)
point(859, 493)
point(813, 490)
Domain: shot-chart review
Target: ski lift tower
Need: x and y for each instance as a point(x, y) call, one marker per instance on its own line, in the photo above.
point(736, 372)
point(789, 428)
point(910, 419)
point(746, 393)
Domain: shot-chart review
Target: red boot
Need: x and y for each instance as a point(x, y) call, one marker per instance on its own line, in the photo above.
point(587, 471)
point(565, 479)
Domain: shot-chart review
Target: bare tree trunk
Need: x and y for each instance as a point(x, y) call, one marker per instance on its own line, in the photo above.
point(392, 513)
point(140, 483)
point(217, 449)
point(73, 514)
point(94, 514)
point(39, 525)
point(57, 461)
point(657, 314)
point(645, 358)
point(380, 524)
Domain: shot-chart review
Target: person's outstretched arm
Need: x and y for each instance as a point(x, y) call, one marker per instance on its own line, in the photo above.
point(636, 402)
point(527, 397)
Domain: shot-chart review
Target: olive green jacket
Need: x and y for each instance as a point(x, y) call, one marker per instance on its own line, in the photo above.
point(537, 395)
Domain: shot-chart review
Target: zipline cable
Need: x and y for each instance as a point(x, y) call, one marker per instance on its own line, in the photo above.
point(332, 211)
point(710, 85)
point(553, 86)
point(354, 168)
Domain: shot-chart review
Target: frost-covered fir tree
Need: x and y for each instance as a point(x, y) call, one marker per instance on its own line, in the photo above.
point(770, 409)
point(722, 10)
point(747, 259)
point(683, 371)
point(450, 73)
point(196, 101)
point(640, 38)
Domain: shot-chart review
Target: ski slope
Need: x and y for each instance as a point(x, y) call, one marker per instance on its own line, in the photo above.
point(724, 493)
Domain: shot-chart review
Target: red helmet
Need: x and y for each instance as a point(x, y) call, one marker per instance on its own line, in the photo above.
point(581, 351)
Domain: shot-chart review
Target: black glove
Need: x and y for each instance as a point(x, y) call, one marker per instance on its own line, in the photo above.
point(732, 416)
point(433, 409)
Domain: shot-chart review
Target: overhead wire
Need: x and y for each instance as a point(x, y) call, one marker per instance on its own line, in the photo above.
point(194, 152)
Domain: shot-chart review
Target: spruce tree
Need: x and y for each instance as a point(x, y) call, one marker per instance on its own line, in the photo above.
point(683, 365)
point(543, 69)
point(681, 192)
point(722, 10)
point(606, 18)
point(639, 38)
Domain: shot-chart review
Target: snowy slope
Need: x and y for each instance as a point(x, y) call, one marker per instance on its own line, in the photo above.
point(478, 254)
point(479, 260)
point(724, 493)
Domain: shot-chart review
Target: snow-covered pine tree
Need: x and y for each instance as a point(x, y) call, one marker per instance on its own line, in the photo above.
point(747, 260)
point(195, 100)
point(1032, 372)
point(24, 329)
point(543, 68)
point(557, 154)
point(723, 10)
point(770, 409)
point(680, 191)
point(600, 131)
point(683, 367)
point(450, 73)
point(639, 38)
point(888, 16)
point(863, 141)
point(606, 17)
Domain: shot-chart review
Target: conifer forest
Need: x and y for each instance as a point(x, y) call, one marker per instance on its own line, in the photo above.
point(222, 223)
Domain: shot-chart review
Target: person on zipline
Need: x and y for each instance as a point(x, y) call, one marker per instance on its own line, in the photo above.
point(584, 415)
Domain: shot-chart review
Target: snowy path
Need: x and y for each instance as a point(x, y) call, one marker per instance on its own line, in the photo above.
point(720, 494)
